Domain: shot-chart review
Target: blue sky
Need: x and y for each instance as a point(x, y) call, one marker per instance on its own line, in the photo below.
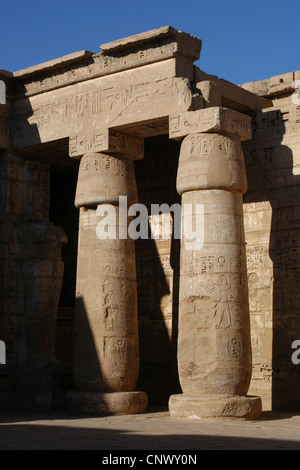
point(242, 40)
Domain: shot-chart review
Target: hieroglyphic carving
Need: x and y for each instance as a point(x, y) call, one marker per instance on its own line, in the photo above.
point(97, 66)
point(106, 292)
point(104, 178)
point(214, 119)
point(86, 65)
point(112, 103)
point(234, 348)
point(209, 159)
point(200, 264)
point(272, 236)
point(107, 140)
point(214, 345)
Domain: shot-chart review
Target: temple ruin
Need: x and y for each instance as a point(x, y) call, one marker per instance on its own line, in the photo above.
point(116, 325)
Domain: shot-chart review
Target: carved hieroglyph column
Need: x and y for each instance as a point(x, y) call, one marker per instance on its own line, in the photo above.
point(214, 346)
point(106, 352)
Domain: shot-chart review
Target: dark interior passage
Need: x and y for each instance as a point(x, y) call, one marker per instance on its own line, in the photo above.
point(64, 214)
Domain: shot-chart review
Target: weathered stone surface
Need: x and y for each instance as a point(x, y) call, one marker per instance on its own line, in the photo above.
point(106, 404)
point(31, 270)
point(106, 352)
point(42, 274)
point(142, 49)
point(103, 178)
point(214, 119)
point(210, 92)
point(186, 44)
point(124, 101)
point(211, 161)
point(272, 235)
point(107, 140)
point(233, 96)
point(215, 407)
point(214, 351)
point(109, 102)
point(106, 346)
point(214, 346)
point(272, 86)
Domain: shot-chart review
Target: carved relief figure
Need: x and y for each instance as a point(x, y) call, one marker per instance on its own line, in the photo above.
point(221, 292)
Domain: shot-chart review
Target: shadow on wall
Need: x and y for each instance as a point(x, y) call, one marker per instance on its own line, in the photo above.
point(273, 234)
point(63, 213)
point(158, 276)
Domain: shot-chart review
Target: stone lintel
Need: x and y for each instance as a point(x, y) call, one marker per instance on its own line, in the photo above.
point(215, 119)
point(277, 85)
point(106, 140)
point(234, 96)
point(186, 44)
point(66, 60)
point(125, 54)
point(139, 96)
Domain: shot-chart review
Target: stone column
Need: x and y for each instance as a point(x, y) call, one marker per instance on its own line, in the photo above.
point(214, 346)
point(106, 353)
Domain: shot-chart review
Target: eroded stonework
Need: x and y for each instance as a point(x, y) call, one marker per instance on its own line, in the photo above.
point(90, 322)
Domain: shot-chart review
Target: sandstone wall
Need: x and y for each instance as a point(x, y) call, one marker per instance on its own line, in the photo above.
point(272, 225)
point(31, 277)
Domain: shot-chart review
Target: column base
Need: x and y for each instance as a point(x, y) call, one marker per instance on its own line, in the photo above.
point(105, 404)
point(215, 406)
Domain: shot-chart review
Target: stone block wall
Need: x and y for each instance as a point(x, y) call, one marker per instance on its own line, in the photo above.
point(272, 226)
point(31, 277)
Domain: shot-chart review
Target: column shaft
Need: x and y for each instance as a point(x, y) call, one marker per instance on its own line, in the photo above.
point(106, 351)
point(214, 346)
point(106, 356)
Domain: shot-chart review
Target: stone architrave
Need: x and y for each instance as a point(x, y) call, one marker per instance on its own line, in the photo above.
point(214, 347)
point(214, 119)
point(132, 99)
point(106, 352)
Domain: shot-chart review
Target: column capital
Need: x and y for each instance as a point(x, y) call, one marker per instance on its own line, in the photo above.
point(106, 140)
point(103, 178)
point(213, 120)
point(211, 161)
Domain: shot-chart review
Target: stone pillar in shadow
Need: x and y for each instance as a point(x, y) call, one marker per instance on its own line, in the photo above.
point(106, 352)
point(214, 345)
